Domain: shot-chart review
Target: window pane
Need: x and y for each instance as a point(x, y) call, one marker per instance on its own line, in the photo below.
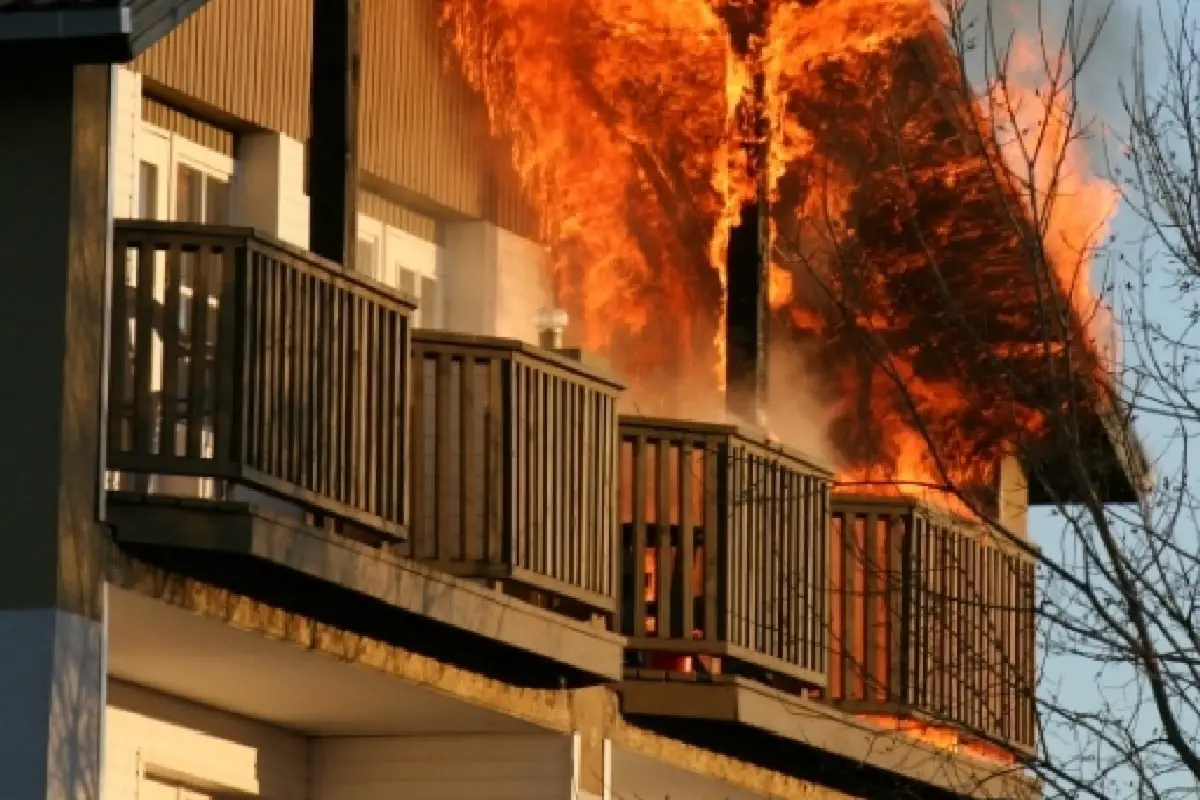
point(189, 195)
point(216, 201)
point(365, 257)
point(431, 304)
point(147, 191)
point(408, 281)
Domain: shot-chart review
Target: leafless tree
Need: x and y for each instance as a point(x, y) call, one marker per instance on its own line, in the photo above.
point(977, 226)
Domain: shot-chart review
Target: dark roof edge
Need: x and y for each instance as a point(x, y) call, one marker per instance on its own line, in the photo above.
point(89, 23)
point(78, 36)
point(113, 35)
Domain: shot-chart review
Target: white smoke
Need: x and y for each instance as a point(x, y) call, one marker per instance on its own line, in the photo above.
point(1097, 37)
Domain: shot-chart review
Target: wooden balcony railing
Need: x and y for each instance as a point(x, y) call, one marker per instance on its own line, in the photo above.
point(515, 461)
point(238, 360)
point(931, 620)
point(724, 549)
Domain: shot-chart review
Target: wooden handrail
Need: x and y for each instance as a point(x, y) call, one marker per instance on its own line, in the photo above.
point(514, 454)
point(240, 359)
point(932, 620)
point(724, 536)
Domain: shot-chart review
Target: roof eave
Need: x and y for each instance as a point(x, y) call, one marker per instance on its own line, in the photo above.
point(1117, 468)
point(109, 35)
point(81, 36)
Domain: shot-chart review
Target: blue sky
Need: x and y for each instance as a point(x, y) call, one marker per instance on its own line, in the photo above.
point(1072, 681)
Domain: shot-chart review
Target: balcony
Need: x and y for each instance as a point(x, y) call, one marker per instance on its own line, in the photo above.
point(275, 428)
point(724, 552)
point(244, 367)
point(261, 402)
point(515, 479)
point(932, 621)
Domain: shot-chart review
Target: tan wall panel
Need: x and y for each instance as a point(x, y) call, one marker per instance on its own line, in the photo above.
point(421, 129)
point(187, 126)
point(245, 58)
point(398, 216)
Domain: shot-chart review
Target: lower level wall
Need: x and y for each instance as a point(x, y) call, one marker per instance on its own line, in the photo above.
point(154, 740)
point(462, 767)
point(159, 747)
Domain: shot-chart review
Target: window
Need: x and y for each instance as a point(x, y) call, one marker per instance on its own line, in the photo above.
point(148, 191)
point(366, 257)
point(200, 196)
point(413, 268)
point(430, 315)
point(424, 290)
point(180, 180)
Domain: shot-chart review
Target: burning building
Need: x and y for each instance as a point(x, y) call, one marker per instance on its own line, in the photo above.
point(928, 272)
point(356, 529)
point(801, 209)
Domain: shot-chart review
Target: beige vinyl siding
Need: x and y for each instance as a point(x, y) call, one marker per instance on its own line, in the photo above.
point(248, 60)
point(463, 767)
point(398, 216)
point(421, 129)
point(188, 126)
point(177, 742)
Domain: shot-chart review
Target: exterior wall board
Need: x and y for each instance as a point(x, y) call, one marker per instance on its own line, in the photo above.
point(496, 281)
point(398, 216)
point(269, 189)
point(148, 733)
point(246, 60)
point(421, 130)
point(463, 767)
point(187, 126)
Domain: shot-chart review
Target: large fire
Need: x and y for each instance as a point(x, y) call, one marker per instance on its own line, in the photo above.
point(903, 248)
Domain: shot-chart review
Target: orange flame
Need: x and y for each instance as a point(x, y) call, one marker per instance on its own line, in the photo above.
point(895, 262)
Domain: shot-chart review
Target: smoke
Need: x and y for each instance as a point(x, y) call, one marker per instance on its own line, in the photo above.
point(1096, 36)
point(796, 415)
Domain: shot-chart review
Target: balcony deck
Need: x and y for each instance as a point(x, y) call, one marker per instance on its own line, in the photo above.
point(932, 621)
point(275, 425)
point(259, 424)
point(245, 364)
point(514, 483)
point(740, 523)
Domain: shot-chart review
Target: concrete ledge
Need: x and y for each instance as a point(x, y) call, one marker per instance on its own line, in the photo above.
point(241, 531)
point(591, 711)
point(749, 705)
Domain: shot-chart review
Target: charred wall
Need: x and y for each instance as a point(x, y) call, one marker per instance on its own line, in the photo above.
point(422, 131)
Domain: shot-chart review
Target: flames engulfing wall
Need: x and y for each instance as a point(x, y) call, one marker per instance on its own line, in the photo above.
point(900, 255)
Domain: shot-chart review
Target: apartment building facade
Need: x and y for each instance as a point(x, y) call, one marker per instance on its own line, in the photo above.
point(314, 534)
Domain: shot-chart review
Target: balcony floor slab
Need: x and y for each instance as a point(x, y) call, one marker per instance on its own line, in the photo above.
point(264, 549)
point(168, 649)
point(730, 712)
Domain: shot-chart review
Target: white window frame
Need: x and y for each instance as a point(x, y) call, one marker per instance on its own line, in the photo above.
point(396, 252)
point(168, 151)
point(412, 254)
point(155, 150)
point(373, 231)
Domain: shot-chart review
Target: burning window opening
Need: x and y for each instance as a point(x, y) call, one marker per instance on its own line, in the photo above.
point(910, 301)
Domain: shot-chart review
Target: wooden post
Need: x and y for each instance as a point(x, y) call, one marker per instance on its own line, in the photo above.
point(333, 144)
point(53, 245)
point(1012, 497)
point(748, 255)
